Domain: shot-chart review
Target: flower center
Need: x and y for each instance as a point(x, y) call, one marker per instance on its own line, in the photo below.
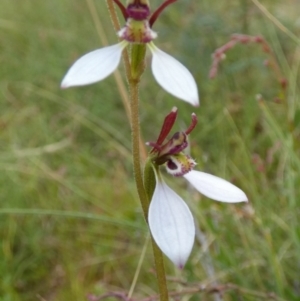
point(180, 164)
point(136, 31)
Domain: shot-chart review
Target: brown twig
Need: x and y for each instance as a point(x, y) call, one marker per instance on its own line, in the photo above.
point(219, 55)
point(196, 289)
point(117, 295)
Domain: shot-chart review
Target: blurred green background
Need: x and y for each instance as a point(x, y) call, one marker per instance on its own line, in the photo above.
point(70, 220)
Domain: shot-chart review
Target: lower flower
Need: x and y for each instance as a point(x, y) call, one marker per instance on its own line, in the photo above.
point(170, 220)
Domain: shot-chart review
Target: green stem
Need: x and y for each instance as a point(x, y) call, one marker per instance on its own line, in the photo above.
point(144, 198)
point(133, 74)
point(135, 136)
point(160, 272)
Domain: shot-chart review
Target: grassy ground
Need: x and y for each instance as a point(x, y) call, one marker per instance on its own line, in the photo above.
point(70, 222)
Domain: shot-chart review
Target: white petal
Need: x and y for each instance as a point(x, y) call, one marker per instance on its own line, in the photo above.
point(215, 188)
point(173, 76)
point(94, 66)
point(171, 224)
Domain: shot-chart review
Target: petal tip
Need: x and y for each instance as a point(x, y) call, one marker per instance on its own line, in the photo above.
point(245, 199)
point(180, 261)
point(240, 196)
point(196, 103)
point(180, 265)
point(64, 85)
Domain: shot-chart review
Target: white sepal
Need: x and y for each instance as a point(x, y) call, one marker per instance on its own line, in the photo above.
point(171, 224)
point(215, 188)
point(174, 77)
point(94, 66)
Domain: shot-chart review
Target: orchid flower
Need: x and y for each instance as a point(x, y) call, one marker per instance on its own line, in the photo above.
point(168, 72)
point(170, 220)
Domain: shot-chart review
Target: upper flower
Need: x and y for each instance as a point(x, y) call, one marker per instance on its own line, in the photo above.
point(168, 72)
point(170, 220)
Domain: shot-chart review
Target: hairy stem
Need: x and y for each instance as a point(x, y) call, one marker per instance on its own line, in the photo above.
point(160, 272)
point(144, 198)
point(133, 80)
point(135, 136)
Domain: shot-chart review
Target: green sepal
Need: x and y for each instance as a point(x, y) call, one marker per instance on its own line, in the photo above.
point(149, 179)
point(138, 52)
